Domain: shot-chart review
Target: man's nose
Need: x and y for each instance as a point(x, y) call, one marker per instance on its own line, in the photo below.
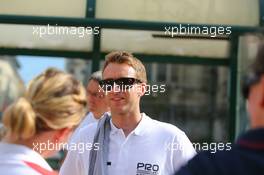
point(117, 88)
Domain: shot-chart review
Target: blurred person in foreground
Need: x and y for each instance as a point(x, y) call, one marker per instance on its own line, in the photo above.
point(247, 155)
point(127, 141)
point(36, 124)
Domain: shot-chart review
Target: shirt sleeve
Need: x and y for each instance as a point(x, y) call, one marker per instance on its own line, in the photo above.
point(182, 151)
point(73, 164)
point(77, 159)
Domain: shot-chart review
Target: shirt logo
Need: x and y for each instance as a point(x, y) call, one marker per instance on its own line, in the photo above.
point(147, 169)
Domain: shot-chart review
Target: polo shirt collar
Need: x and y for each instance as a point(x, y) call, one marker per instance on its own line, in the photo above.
point(142, 126)
point(253, 139)
point(139, 130)
point(114, 129)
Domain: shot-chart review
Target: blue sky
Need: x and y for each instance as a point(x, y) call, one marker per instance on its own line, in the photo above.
point(30, 66)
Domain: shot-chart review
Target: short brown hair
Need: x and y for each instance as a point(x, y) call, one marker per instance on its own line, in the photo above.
point(255, 72)
point(122, 57)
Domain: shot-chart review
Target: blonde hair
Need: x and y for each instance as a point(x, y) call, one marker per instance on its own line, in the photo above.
point(122, 57)
point(53, 100)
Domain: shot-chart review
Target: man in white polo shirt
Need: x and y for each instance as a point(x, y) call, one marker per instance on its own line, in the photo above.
point(128, 142)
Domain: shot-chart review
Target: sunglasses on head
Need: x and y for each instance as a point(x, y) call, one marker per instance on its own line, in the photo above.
point(123, 83)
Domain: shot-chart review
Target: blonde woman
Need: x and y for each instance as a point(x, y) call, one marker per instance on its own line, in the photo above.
point(37, 123)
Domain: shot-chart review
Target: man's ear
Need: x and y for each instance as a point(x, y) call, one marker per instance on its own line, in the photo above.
point(262, 91)
point(142, 90)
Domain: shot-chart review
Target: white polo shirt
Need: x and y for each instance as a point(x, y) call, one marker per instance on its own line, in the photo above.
point(19, 159)
point(153, 148)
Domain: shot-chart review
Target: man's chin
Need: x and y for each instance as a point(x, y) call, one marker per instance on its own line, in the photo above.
point(91, 109)
point(118, 110)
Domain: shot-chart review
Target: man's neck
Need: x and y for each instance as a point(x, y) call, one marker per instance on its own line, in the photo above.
point(257, 126)
point(257, 123)
point(127, 122)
